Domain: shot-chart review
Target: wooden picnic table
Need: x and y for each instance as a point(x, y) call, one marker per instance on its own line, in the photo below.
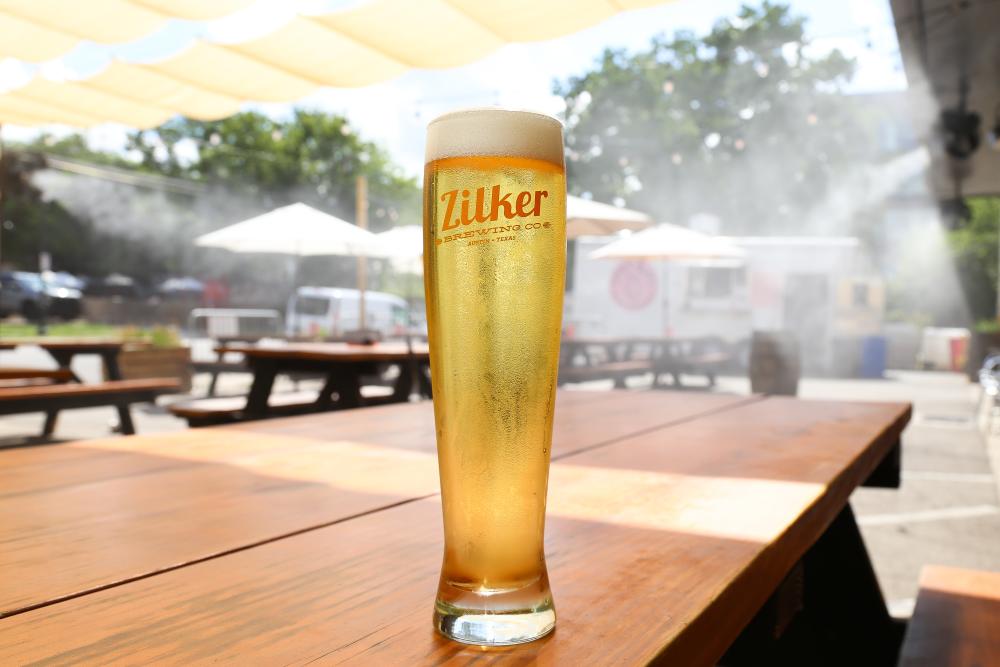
point(63, 350)
point(674, 521)
point(342, 364)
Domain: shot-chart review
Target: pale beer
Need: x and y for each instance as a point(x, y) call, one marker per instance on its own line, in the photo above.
point(494, 259)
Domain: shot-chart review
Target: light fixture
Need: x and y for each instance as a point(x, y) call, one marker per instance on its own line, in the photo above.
point(959, 127)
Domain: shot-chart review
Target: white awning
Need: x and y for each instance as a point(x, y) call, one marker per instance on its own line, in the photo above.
point(585, 217)
point(361, 45)
point(670, 242)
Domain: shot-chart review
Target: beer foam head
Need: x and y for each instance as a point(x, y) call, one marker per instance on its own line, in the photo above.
point(490, 131)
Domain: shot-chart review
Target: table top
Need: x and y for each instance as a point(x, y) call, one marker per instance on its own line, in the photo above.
point(320, 536)
point(330, 352)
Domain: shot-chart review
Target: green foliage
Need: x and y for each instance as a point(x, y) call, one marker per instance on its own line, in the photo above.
point(158, 337)
point(248, 163)
point(77, 329)
point(312, 157)
point(740, 124)
point(974, 247)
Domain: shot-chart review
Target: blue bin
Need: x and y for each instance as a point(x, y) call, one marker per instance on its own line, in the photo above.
point(874, 351)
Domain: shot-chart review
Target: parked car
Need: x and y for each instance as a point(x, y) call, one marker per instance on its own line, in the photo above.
point(24, 293)
point(115, 285)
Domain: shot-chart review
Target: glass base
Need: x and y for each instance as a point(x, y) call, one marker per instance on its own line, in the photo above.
point(471, 612)
point(494, 628)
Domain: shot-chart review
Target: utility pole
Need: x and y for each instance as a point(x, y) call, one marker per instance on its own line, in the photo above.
point(361, 202)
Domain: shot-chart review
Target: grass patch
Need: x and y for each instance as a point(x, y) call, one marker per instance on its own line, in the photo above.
point(78, 329)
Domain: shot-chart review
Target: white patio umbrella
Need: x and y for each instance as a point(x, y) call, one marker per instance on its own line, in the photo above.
point(403, 247)
point(670, 242)
point(298, 230)
point(585, 217)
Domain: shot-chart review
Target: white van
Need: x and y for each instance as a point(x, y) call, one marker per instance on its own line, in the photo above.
point(332, 311)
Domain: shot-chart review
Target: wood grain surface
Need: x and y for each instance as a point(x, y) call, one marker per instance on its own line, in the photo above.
point(661, 544)
point(956, 622)
point(78, 517)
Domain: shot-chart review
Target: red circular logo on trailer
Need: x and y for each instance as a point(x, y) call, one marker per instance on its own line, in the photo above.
point(633, 285)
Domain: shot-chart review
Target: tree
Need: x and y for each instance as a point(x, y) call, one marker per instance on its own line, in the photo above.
point(244, 165)
point(312, 157)
point(974, 247)
point(741, 124)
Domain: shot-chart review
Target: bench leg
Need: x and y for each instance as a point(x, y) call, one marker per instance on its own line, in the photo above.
point(51, 417)
point(212, 383)
point(125, 425)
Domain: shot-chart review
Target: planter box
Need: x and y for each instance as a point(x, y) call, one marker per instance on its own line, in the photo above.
point(139, 362)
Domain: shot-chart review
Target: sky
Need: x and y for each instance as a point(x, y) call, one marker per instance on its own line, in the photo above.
point(394, 114)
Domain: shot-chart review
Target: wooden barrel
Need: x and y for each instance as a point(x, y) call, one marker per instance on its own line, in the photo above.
point(775, 366)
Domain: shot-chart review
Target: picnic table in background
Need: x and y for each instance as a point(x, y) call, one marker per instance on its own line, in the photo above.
point(341, 365)
point(680, 527)
point(617, 358)
point(63, 350)
point(65, 391)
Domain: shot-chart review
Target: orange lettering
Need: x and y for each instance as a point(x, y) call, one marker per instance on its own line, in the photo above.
point(466, 220)
point(481, 205)
point(450, 197)
point(539, 195)
point(523, 200)
point(499, 201)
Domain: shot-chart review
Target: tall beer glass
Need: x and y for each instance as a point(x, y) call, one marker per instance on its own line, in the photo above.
point(494, 266)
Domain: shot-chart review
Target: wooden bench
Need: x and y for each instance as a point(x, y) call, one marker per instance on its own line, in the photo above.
point(229, 409)
point(614, 370)
point(33, 377)
point(52, 398)
point(956, 622)
point(54, 375)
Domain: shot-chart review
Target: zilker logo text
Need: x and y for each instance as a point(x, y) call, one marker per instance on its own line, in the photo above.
point(490, 207)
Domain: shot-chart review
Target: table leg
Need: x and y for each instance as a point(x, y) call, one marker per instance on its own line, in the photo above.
point(349, 388)
point(345, 381)
point(111, 369)
point(64, 359)
point(841, 616)
point(264, 372)
point(403, 385)
point(424, 381)
point(51, 417)
point(125, 425)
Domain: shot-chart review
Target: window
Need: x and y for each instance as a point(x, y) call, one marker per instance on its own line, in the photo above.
point(711, 283)
point(311, 305)
point(399, 316)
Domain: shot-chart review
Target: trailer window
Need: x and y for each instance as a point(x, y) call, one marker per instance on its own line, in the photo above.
point(711, 283)
point(312, 305)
